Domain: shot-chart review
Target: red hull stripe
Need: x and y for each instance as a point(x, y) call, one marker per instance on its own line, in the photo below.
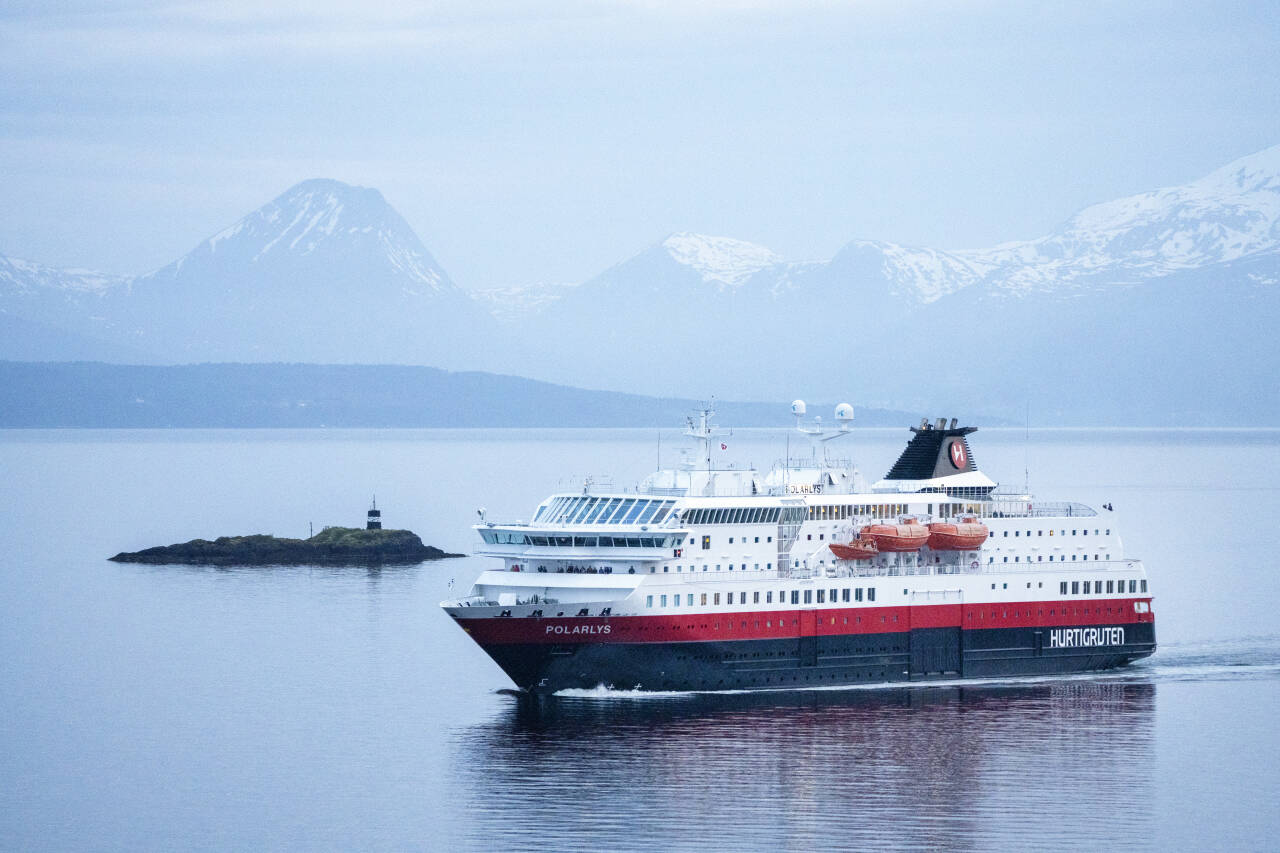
point(781, 624)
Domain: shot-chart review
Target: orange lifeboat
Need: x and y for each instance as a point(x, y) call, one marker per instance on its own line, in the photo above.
point(965, 535)
point(858, 549)
point(909, 535)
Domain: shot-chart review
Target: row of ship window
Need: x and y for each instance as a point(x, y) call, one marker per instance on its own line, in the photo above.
point(1083, 587)
point(846, 594)
point(591, 510)
point(693, 568)
point(503, 537)
point(733, 515)
point(838, 512)
point(1040, 558)
point(706, 541)
point(1060, 532)
point(824, 512)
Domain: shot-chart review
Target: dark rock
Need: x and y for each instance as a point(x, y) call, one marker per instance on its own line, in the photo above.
point(333, 546)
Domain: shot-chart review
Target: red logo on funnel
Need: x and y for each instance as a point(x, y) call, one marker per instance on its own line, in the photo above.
point(958, 457)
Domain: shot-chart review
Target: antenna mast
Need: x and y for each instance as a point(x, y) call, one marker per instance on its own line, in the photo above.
point(703, 431)
point(1026, 452)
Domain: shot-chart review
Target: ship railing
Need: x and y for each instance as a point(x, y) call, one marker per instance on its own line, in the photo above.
point(1007, 508)
point(813, 463)
point(860, 569)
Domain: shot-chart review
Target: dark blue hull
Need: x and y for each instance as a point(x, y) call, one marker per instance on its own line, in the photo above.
point(922, 654)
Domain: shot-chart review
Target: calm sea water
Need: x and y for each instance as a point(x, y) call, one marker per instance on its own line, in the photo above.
point(195, 708)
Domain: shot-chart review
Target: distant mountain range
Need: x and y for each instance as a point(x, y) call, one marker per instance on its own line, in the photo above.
point(94, 394)
point(1157, 308)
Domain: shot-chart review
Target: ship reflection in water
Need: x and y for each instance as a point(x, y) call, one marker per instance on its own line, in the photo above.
point(1034, 765)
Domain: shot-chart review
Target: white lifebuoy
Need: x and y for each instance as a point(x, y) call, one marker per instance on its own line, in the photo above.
point(974, 564)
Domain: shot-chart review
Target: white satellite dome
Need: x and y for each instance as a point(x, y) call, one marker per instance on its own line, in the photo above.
point(844, 412)
point(798, 408)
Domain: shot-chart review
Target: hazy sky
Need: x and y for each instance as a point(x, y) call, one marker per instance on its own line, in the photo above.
point(546, 141)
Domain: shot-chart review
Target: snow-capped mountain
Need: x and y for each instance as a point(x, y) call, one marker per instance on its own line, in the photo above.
point(325, 272)
point(312, 226)
point(21, 278)
point(510, 304)
point(1160, 306)
point(1231, 214)
point(1161, 302)
point(721, 261)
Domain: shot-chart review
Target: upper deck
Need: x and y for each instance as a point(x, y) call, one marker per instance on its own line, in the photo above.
point(704, 518)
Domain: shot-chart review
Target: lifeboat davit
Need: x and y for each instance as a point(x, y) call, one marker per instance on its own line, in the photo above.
point(858, 549)
point(965, 535)
point(909, 535)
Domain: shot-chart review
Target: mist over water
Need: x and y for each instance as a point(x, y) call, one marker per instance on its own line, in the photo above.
point(188, 707)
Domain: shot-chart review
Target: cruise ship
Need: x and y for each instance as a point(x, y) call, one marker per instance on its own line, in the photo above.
point(711, 577)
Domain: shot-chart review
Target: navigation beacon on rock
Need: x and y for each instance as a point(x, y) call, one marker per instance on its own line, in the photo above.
point(720, 578)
